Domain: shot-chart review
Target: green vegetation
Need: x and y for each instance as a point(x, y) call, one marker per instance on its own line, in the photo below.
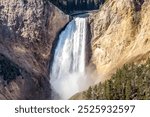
point(128, 83)
point(74, 5)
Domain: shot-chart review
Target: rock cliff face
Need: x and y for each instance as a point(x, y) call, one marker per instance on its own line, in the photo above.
point(27, 31)
point(120, 34)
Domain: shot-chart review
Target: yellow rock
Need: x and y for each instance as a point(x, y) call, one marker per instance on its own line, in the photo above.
point(120, 34)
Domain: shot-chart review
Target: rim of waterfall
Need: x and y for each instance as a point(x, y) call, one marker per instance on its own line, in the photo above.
point(67, 76)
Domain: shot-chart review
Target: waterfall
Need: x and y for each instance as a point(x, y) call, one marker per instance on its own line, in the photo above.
point(67, 75)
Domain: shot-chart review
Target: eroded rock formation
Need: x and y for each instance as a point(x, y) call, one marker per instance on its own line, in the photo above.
point(120, 34)
point(27, 31)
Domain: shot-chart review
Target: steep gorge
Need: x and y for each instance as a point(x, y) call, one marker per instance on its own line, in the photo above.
point(29, 28)
point(120, 35)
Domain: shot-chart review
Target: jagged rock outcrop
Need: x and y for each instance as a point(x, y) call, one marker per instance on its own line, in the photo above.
point(120, 34)
point(27, 31)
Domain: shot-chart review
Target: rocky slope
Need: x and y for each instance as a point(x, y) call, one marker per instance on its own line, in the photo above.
point(120, 34)
point(27, 31)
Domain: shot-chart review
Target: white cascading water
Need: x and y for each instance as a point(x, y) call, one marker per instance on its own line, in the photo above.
point(68, 68)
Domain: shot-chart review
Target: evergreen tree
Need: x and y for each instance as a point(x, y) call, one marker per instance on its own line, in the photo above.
point(88, 93)
point(72, 5)
point(132, 81)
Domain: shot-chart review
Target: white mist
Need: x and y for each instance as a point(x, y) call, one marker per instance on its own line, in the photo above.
point(67, 76)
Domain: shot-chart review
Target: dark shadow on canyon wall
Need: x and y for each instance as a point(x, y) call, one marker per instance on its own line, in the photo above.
point(8, 69)
point(17, 83)
point(138, 4)
point(89, 48)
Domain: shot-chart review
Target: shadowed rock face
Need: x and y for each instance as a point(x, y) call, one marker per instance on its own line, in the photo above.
point(17, 83)
point(27, 31)
point(120, 34)
point(8, 70)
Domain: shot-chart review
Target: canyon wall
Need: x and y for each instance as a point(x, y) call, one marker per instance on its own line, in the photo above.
point(27, 31)
point(120, 34)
